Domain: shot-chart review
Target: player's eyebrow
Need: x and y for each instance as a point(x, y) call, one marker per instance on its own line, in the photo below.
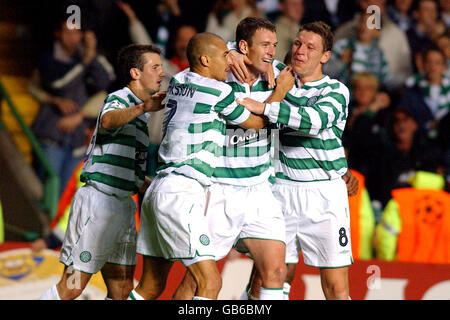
point(268, 42)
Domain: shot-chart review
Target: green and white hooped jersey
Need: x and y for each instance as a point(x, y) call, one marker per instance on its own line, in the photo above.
point(115, 161)
point(311, 119)
point(246, 159)
point(194, 125)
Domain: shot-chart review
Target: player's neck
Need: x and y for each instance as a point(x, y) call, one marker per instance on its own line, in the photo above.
point(310, 78)
point(138, 90)
point(204, 72)
point(253, 76)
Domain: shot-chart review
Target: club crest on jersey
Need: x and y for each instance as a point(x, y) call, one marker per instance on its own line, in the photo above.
point(311, 101)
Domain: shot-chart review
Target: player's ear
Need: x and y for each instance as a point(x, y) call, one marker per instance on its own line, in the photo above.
point(205, 60)
point(325, 57)
point(135, 73)
point(243, 46)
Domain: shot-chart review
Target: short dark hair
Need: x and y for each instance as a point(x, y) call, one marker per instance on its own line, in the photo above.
point(198, 45)
point(323, 30)
point(404, 110)
point(131, 56)
point(248, 26)
point(433, 48)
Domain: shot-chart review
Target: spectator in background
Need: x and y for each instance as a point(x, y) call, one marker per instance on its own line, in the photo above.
point(425, 29)
point(426, 94)
point(332, 12)
point(168, 11)
point(195, 13)
point(227, 14)
point(139, 35)
point(358, 54)
point(367, 114)
point(287, 25)
point(67, 76)
point(445, 12)
point(179, 58)
point(269, 7)
point(443, 42)
point(392, 41)
point(402, 151)
point(400, 13)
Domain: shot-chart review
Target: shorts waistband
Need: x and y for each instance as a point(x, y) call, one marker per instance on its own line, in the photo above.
point(309, 184)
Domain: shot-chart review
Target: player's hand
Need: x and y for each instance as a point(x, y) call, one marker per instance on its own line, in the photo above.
point(285, 80)
point(270, 75)
point(238, 65)
point(154, 103)
point(252, 105)
point(146, 184)
point(351, 182)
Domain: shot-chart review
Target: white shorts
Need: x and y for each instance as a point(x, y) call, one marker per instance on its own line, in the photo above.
point(101, 229)
point(236, 213)
point(317, 222)
point(173, 224)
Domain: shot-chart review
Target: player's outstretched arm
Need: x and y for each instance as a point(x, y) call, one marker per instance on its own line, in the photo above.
point(117, 118)
point(329, 110)
point(255, 122)
point(285, 81)
point(251, 105)
point(154, 103)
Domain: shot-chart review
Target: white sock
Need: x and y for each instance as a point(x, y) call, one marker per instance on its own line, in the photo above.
point(134, 296)
point(271, 293)
point(50, 294)
point(199, 298)
point(286, 290)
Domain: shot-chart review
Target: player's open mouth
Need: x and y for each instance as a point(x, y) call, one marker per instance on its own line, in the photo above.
point(267, 60)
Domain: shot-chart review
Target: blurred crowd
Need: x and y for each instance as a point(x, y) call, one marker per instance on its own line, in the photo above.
point(393, 55)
